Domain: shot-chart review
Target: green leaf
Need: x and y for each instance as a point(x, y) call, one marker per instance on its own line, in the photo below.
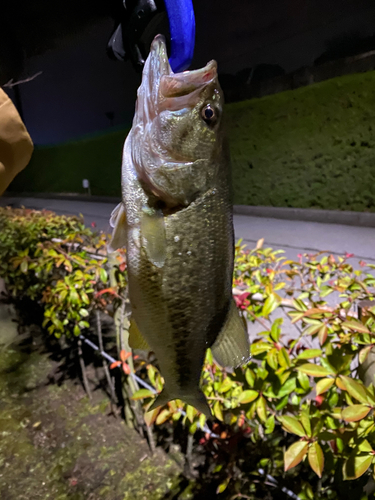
point(304, 380)
point(275, 330)
point(355, 389)
point(142, 393)
point(313, 370)
point(324, 385)
point(310, 353)
point(150, 416)
point(202, 420)
point(356, 326)
point(76, 330)
point(250, 377)
point(287, 388)
point(305, 420)
point(73, 295)
point(295, 454)
point(312, 330)
point(190, 412)
point(270, 425)
point(223, 486)
point(259, 347)
point(226, 385)
point(322, 334)
point(272, 358)
point(218, 411)
point(103, 275)
point(365, 446)
point(283, 358)
point(356, 465)
point(83, 312)
point(24, 266)
point(163, 416)
point(364, 353)
point(262, 409)
point(355, 412)
point(247, 396)
point(316, 458)
point(299, 305)
point(271, 303)
point(291, 424)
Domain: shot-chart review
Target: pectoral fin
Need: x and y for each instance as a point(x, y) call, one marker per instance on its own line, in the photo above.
point(153, 236)
point(118, 222)
point(232, 348)
point(136, 339)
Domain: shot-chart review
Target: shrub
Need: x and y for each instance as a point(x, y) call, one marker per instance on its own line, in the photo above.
point(297, 413)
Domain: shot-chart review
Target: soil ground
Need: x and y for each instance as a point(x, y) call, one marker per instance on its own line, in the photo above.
point(57, 444)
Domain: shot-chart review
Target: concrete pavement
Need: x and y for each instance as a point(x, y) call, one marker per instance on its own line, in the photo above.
point(292, 236)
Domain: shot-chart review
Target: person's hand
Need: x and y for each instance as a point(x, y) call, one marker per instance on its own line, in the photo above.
point(16, 146)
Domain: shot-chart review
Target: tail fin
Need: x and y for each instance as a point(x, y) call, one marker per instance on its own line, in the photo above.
point(197, 400)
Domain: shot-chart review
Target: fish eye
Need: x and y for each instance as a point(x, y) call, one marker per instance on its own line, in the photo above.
point(209, 114)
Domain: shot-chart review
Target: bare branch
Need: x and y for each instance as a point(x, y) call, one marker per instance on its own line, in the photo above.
point(11, 83)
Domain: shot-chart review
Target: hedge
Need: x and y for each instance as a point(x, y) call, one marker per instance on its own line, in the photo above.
point(296, 413)
point(312, 147)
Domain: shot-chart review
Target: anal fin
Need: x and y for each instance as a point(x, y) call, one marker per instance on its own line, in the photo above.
point(232, 348)
point(136, 339)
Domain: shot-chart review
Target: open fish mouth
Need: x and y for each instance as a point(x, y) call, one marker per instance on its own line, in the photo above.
point(168, 152)
point(174, 91)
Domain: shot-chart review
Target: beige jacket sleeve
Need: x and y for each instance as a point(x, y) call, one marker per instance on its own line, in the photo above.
point(16, 146)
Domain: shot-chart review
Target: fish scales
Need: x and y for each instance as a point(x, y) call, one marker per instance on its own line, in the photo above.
point(176, 223)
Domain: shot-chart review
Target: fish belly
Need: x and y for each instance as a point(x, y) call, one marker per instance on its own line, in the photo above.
point(181, 306)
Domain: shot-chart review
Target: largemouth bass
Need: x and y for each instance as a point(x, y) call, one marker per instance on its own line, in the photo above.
point(176, 223)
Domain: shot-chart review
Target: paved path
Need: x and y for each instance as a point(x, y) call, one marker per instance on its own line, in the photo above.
point(292, 236)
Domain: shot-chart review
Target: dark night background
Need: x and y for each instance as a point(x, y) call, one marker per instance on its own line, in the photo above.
point(79, 84)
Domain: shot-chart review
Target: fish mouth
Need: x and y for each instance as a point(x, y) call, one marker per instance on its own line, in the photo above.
point(163, 91)
point(176, 90)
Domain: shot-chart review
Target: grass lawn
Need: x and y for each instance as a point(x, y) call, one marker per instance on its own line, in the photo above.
point(310, 147)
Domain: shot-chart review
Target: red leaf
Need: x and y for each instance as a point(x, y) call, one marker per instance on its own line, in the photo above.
point(124, 355)
point(241, 300)
point(126, 368)
point(241, 420)
point(93, 224)
point(122, 267)
point(112, 291)
point(319, 400)
point(115, 364)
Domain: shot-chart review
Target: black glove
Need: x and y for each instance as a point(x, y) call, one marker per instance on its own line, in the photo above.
point(140, 21)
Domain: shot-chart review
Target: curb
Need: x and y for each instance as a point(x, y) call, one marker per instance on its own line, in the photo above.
point(363, 219)
point(359, 219)
point(64, 196)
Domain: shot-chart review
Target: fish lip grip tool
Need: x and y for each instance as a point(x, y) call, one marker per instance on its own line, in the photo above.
point(141, 20)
